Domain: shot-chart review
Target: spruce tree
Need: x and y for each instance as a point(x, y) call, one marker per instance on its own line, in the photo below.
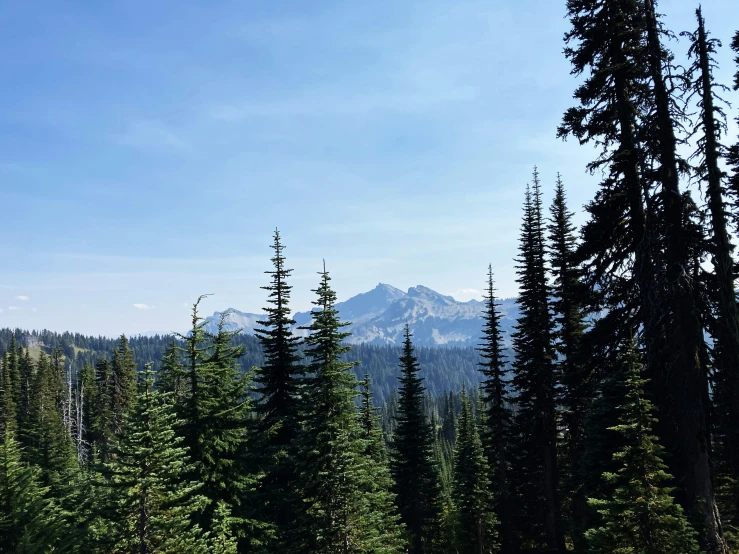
point(150, 502)
point(49, 444)
point(535, 477)
point(27, 516)
point(13, 378)
point(641, 515)
point(473, 497)
point(123, 382)
point(416, 474)
point(496, 433)
point(101, 410)
point(169, 377)
point(8, 414)
point(640, 256)
point(338, 505)
point(724, 326)
point(214, 418)
point(278, 408)
point(568, 295)
point(385, 534)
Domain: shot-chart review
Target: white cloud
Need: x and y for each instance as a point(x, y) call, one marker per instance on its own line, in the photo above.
point(143, 307)
point(2, 311)
point(33, 309)
point(22, 297)
point(12, 308)
point(463, 295)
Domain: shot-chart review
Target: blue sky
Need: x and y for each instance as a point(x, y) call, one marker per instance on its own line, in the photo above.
point(148, 149)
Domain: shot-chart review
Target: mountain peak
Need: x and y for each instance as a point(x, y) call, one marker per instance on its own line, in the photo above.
point(419, 291)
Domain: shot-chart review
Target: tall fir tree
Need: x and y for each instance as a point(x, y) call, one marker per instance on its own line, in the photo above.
point(49, 444)
point(535, 477)
point(641, 515)
point(678, 368)
point(123, 382)
point(13, 378)
point(150, 503)
point(8, 414)
point(385, 530)
point(640, 255)
point(496, 433)
point(724, 323)
point(567, 299)
point(215, 415)
point(28, 522)
point(337, 515)
point(279, 383)
point(170, 375)
point(416, 474)
point(473, 494)
point(101, 410)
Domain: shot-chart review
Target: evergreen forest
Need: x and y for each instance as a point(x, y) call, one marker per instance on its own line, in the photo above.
point(610, 427)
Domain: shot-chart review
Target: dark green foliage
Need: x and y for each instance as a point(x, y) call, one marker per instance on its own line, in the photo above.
point(27, 516)
point(534, 475)
point(723, 322)
point(214, 414)
point(338, 493)
point(49, 444)
point(101, 410)
point(279, 381)
point(497, 417)
point(640, 515)
point(416, 475)
point(169, 376)
point(123, 383)
point(573, 374)
point(148, 502)
point(8, 414)
point(473, 493)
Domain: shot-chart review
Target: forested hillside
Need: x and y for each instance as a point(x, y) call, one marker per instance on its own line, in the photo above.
point(445, 368)
point(611, 425)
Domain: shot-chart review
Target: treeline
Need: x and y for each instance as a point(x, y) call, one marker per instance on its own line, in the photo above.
point(445, 369)
point(617, 430)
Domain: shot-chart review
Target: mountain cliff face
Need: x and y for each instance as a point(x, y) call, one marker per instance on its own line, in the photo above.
point(379, 316)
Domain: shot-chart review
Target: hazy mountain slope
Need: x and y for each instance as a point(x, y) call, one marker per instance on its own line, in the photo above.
point(378, 317)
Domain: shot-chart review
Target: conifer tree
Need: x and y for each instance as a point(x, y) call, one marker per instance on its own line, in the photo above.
point(640, 261)
point(338, 503)
point(27, 521)
point(24, 369)
point(641, 515)
point(416, 475)
point(536, 476)
point(724, 326)
point(101, 410)
point(123, 383)
point(568, 295)
point(150, 502)
point(8, 414)
point(473, 496)
point(214, 415)
point(13, 377)
point(49, 443)
point(385, 530)
point(496, 432)
point(169, 377)
point(678, 369)
point(279, 384)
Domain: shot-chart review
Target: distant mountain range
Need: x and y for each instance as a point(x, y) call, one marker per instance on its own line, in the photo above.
point(379, 316)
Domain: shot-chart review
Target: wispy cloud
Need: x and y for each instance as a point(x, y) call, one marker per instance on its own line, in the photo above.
point(143, 307)
point(13, 308)
point(463, 295)
point(22, 297)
